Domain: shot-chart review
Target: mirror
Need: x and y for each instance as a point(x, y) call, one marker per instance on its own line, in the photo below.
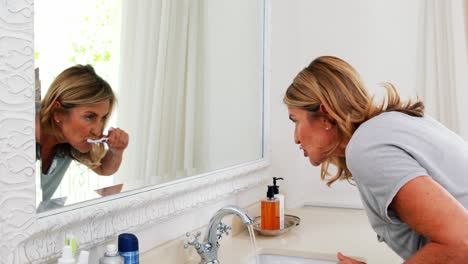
point(188, 76)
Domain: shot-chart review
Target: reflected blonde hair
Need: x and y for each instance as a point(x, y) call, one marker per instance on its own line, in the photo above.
point(76, 86)
point(335, 84)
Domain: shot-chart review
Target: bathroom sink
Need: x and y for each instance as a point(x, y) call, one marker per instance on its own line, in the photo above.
point(280, 259)
point(286, 256)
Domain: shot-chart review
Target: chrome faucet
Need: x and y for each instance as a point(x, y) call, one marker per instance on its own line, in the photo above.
point(208, 250)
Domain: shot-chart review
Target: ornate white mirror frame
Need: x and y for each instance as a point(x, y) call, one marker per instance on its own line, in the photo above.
point(28, 237)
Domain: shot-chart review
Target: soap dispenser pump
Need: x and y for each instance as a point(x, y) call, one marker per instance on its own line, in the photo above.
point(270, 210)
point(280, 197)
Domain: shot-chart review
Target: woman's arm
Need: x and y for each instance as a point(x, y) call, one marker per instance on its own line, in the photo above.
point(117, 142)
point(434, 213)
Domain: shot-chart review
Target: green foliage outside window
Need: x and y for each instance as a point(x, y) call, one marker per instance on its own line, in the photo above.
point(93, 42)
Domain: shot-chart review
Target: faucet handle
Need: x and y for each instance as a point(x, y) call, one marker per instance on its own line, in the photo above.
point(223, 229)
point(192, 240)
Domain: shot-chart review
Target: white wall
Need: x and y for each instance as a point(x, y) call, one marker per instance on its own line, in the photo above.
point(378, 37)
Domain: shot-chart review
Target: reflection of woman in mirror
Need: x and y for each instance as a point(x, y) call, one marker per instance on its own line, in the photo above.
point(409, 169)
point(75, 109)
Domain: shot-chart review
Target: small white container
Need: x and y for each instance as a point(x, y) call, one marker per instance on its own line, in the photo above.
point(280, 197)
point(67, 256)
point(83, 258)
point(111, 256)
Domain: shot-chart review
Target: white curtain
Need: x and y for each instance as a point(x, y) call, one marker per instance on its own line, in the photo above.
point(466, 26)
point(442, 60)
point(159, 48)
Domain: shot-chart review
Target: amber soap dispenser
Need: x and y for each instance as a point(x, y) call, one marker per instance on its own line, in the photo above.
point(270, 215)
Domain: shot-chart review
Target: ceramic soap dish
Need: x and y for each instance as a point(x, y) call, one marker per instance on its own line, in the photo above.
point(290, 221)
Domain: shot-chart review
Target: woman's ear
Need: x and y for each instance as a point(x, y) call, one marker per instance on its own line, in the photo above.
point(327, 120)
point(323, 109)
point(57, 107)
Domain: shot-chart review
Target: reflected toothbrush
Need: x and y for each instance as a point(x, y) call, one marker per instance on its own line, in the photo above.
point(97, 141)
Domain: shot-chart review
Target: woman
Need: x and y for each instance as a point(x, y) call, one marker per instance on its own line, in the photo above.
point(74, 110)
point(410, 170)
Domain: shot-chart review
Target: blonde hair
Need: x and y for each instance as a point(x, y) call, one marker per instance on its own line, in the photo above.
point(76, 86)
point(335, 84)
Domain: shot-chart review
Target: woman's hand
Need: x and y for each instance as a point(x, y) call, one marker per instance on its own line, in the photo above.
point(117, 143)
point(117, 140)
point(342, 259)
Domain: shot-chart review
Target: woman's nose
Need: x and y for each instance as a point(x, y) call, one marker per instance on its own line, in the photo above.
point(96, 130)
point(296, 138)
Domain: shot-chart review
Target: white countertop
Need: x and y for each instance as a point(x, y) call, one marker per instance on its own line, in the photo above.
point(322, 231)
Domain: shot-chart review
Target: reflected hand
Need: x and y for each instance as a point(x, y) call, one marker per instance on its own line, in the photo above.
point(117, 140)
point(342, 259)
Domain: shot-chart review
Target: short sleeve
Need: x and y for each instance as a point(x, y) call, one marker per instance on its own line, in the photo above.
point(381, 166)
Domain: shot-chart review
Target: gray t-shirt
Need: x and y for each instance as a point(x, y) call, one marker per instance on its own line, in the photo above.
point(52, 179)
point(393, 148)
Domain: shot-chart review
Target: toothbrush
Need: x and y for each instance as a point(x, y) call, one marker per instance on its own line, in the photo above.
point(97, 141)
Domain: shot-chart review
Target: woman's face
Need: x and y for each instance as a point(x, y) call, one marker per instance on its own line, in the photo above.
point(312, 135)
point(82, 123)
